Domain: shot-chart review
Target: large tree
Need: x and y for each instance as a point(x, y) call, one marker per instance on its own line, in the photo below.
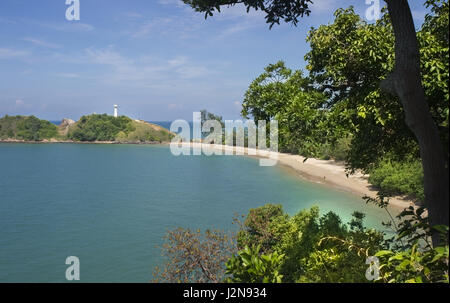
point(405, 82)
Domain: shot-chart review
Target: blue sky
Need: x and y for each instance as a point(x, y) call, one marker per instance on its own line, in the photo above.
point(158, 59)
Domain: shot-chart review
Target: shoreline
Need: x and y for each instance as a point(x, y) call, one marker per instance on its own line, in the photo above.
point(326, 172)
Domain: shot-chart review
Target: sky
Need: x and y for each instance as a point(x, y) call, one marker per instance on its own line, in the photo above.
point(159, 60)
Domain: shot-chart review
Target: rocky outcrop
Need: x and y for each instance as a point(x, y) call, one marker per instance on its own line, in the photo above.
point(64, 126)
point(66, 122)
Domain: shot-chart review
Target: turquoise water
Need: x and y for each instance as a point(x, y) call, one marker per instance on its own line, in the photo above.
point(110, 205)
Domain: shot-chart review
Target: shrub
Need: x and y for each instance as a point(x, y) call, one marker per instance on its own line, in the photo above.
point(397, 178)
point(313, 246)
point(249, 266)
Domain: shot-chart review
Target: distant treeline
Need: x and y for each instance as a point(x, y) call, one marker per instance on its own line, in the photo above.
point(89, 128)
point(26, 128)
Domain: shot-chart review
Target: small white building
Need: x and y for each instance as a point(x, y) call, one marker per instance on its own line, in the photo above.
point(116, 112)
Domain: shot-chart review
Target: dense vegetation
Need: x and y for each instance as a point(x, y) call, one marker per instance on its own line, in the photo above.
point(398, 177)
point(272, 247)
point(100, 128)
point(27, 128)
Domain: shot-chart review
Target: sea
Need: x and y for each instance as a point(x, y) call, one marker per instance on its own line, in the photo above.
point(111, 205)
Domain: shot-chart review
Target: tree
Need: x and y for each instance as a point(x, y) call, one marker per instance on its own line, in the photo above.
point(267, 94)
point(305, 247)
point(195, 257)
point(263, 226)
point(405, 82)
point(205, 116)
point(286, 95)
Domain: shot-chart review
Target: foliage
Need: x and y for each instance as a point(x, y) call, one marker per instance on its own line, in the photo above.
point(414, 265)
point(338, 150)
point(281, 94)
point(195, 257)
point(28, 128)
point(273, 247)
point(347, 61)
point(263, 227)
point(409, 256)
point(323, 249)
point(311, 244)
point(298, 241)
point(275, 10)
point(267, 94)
point(248, 266)
point(100, 128)
point(398, 178)
point(434, 50)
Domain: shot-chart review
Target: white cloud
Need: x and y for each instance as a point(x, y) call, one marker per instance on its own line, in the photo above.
point(19, 104)
point(236, 28)
point(68, 26)
point(178, 3)
point(191, 24)
point(41, 43)
point(68, 75)
point(145, 71)
point(192, 71)
point(7, 53)
point(178, 61)
point(154, 26)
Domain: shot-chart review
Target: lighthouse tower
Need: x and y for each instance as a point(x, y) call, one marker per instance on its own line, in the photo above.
point(116, 111)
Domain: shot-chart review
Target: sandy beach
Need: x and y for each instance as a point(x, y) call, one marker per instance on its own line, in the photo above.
point(328, 172)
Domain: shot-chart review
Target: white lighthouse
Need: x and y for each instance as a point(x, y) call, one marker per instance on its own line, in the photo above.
point(116, 114)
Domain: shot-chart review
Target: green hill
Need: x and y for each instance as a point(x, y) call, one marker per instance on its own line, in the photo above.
point(145, 132)
point(99, 128)
point(121, 129)
point(26, 128)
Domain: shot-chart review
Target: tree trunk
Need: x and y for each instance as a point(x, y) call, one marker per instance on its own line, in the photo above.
point(406, 83)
